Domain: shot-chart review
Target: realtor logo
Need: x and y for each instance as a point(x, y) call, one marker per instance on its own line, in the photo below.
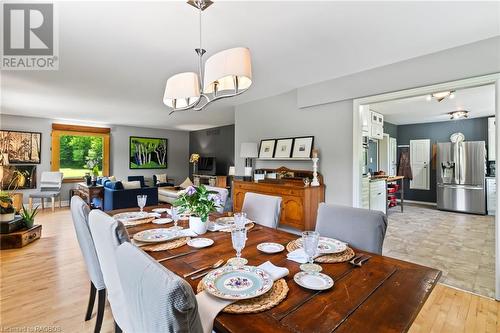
point(29, 37)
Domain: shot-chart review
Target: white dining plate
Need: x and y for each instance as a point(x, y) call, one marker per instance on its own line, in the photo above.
point(270, 247)
point(155, 215)
point(155, 235)
point(316, 281)
point(225, 221)
point(160, 210)
point(163, 221)
point(328, 245)
point(200, 242)
point(130, 216)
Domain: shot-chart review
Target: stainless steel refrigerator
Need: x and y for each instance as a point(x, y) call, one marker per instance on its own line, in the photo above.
point(461, 170)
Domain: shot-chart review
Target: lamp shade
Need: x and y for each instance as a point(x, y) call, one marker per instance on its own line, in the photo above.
point(249, 150)
point(194, 158)
point(232, 171)
point(227, 67)
point(182, 90)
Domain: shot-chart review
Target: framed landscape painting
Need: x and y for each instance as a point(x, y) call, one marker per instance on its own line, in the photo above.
point(18, 147)
point(148, 153)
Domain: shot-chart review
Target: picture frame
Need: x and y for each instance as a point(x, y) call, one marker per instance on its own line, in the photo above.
point(267, 147)
point(148, 153)
point(302, 147)
point(20, 147)
point(283, 148)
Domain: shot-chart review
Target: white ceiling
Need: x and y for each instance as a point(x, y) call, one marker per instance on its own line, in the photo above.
point(479, 101)
point(115, 57)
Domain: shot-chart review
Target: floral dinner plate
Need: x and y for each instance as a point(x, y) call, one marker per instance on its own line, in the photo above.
point(270, 247)
point(163, 220)
point(328, 245)
point(233, 282)
point(200, 242)
point(155, 235)
point(130, 216)
point(315, 281)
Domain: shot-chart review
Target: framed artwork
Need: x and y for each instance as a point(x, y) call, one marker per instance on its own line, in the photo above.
point(283, 148)
point(18, 177)
point(147, 153)
point(17, 147)
point(267, 148)
point(302, 147)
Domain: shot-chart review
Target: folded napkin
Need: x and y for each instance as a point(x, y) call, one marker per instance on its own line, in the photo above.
point(299, 256)
point(209, 306)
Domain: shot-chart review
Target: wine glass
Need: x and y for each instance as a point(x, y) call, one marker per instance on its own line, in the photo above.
point(176, 216)
point(310, 240)
point(238, 237)
point(240, 219)
point(141, 201)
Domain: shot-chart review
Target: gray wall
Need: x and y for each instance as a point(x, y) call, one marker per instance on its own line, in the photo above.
point(474, 130)
point(391, 129)
point(178, 148)
point(215, 142)
point(325, 109)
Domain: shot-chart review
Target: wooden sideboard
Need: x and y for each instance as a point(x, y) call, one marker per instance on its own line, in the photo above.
point(299, 205)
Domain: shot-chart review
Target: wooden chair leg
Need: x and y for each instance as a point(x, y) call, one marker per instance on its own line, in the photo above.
point(30, 202)
point(90, 307)
point(53, 202)
point(117, 328)
point(60, 206)
point(42, 203)
point(101, 302)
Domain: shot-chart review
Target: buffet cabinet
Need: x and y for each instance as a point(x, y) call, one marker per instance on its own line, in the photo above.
point(299, 204)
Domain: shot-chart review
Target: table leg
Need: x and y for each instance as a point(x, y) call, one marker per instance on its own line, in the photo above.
point(402, 194)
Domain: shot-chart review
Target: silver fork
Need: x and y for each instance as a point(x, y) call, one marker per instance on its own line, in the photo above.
point(361, 260)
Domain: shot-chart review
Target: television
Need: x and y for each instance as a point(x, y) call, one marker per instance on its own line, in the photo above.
point(206, 166)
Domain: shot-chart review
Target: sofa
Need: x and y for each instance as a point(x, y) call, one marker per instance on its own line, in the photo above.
point(170, 194)
point(162, 184)
point(117, 197)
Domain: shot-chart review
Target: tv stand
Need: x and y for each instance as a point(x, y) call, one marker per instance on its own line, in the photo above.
point(215, 181)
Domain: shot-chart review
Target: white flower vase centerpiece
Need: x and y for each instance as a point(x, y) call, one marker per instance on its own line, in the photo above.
point(199, 202)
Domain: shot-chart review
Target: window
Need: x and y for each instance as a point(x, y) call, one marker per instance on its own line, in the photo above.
point(77, 149)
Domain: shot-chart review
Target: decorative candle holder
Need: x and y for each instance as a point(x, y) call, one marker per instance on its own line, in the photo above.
point(315, 181)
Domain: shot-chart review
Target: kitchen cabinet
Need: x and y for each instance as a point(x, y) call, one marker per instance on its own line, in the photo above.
point(491, 139)
point(372, 123)
point(491, 195)
point(365, 192)
point(378, 195)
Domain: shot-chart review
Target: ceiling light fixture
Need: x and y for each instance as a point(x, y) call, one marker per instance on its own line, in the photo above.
point(439, 96)
point(227, 73)
point(459, 114)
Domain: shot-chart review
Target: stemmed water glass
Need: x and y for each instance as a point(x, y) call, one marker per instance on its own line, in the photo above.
point(176, 216)
point(240, 219)
point(141, 201)
point(238, 237)
point(310, 240)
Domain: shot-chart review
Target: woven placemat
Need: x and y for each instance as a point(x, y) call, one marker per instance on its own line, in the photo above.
point(164, 246)
point(258, 304)
point(248, 226)
point(346, 255)
point(138, 222)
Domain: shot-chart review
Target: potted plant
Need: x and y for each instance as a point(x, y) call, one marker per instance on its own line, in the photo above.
point(199, 202)
point(93, 166)
point(29, 216)
point(7, 211)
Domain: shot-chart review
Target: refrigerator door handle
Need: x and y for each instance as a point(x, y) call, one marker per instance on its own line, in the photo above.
point(462, 187)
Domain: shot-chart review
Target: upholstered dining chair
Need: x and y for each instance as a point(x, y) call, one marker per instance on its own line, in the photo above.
point(157, 299)
point(362, 228)
point(50, 187)
point(80, 213)
point(223, 193)
point(263, 209)
point(108, 234)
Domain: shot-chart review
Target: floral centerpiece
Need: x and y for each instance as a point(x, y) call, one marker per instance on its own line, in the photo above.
point(199, 202)
point(7, 211)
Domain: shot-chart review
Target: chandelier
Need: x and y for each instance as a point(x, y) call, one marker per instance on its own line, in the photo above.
point(227, 73)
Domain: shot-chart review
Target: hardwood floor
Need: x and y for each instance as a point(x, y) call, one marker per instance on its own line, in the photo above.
point(43, 285)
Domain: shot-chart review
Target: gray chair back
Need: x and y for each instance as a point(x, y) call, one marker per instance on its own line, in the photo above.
point(223, 193)
point(157, 299)
point(263, 209)
point(362, 228)
point(80, 213)
point(108, 234)
point(51, 181)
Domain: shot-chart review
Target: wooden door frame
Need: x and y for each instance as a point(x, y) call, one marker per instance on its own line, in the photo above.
point(419, 91)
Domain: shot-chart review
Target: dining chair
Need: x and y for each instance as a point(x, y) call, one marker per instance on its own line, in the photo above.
point(108, 234)
point(223, 193)
point(364, 229)
point(157, 299)
point(80, 214)
point(263, 209)
point(50, 187)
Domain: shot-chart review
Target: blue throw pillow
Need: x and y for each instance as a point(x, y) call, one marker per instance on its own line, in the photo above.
point(114, 185)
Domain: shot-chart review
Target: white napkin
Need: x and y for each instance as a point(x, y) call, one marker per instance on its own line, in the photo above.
point(209, 306)
point(299, 256)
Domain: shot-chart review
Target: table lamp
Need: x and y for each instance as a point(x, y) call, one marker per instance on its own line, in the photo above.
point(248, 151)
point(194, 159)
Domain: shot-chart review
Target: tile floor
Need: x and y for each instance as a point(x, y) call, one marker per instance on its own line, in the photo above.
point(460, 245)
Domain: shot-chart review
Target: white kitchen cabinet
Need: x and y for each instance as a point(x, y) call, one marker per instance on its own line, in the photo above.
point(491, 195)
point(491, 139)
point(377, 125)
point(378, 195)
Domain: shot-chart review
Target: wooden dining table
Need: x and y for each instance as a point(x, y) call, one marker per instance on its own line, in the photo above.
point(383, 295)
